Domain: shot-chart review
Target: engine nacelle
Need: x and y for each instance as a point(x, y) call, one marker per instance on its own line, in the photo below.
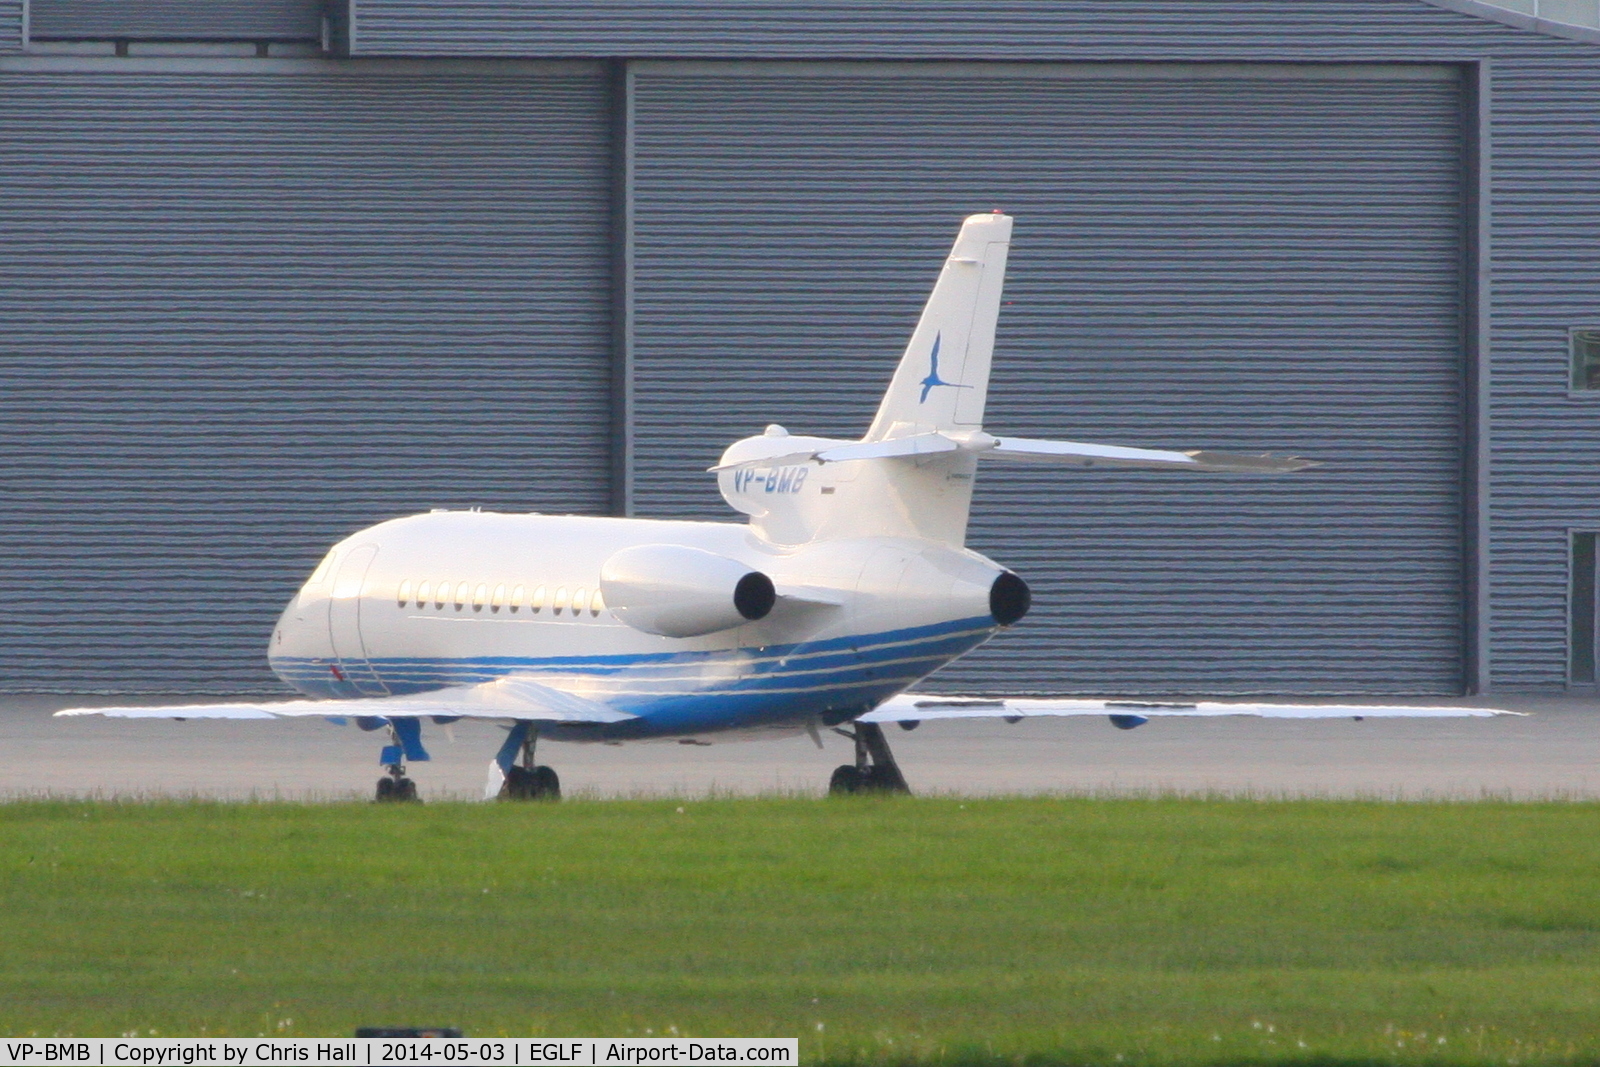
point(678, 591)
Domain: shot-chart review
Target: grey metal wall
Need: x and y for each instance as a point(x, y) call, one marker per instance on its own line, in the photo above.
point(248, 313)
point(1545, 103)
point(13, 25)
point(1263, 30)
point(184, 19)
point(1246, 258)
point(1546, 281)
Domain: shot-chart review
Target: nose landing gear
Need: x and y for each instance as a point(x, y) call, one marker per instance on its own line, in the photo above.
point(405, 741)
point(397, 787)
point(874, 770)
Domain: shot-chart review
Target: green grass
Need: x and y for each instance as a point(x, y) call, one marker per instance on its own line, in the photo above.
point(878, 931)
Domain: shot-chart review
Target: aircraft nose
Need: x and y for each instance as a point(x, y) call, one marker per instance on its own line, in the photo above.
point(1009, 598)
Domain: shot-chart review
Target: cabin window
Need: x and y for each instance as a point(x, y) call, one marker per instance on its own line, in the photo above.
point(516, 599)
point(536, 605)
point(460, 599)
point(499, 598)
point(597, 605)
point(480, 597)
point(580, 600)
point(405, 593)
point(423, 592)
point(561, 601)
point(441, 596)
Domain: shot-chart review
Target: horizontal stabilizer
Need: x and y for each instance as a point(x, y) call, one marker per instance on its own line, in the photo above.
point(910, 707)
point(505, 698)
point(1034, 450)
point(1078, 454)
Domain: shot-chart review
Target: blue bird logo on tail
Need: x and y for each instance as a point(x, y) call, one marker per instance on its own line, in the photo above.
point(933, 378)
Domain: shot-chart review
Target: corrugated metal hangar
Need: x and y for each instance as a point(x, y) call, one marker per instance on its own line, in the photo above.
point(273, 271)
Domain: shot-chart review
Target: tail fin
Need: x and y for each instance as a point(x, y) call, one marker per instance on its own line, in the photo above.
point(943, 378)
point(912, 474)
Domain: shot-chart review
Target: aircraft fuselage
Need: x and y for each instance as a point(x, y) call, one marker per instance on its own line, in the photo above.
point(463, 597)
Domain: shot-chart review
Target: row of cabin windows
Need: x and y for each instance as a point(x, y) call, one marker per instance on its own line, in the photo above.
point(461, 596)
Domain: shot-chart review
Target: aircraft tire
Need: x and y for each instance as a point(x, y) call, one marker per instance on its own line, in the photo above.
point(846, 781)
point(405, 791)
point(518, 784)
point(385, 790)
point(546, 783)
point(540, 783)
point(883, 780)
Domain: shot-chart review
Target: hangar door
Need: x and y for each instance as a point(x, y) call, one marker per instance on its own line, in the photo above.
point(255, 306)
point(1230, 257)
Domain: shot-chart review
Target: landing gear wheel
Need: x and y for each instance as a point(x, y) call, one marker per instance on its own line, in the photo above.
point(397, 789)
point(846, 781)
point(882, 779)
point(538, 783)
point(874, 770)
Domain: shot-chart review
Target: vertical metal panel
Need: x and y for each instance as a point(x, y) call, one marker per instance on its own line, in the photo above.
point(1214, 258)
point(182, 19)
point(622, 417)
point(247, 314)
point(1477, 157)
point(1546, 459)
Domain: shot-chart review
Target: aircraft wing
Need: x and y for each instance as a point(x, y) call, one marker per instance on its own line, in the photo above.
point(912, 707)
point(504, 698)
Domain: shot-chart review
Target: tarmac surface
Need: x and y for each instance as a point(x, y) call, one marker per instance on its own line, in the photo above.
point(1552, 753)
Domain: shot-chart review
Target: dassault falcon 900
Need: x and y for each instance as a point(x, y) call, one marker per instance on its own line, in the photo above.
point(848, 583)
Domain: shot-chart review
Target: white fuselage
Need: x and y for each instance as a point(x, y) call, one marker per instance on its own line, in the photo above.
point(458, 598)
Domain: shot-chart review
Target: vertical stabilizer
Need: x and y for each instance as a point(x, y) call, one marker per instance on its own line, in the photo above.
point(943, 378)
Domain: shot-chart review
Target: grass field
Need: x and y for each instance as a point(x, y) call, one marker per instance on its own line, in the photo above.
point(878, 931)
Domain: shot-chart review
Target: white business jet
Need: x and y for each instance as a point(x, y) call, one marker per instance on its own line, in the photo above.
point(848, 583)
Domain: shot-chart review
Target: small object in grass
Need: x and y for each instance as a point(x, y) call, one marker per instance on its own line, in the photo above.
point(407, 1031)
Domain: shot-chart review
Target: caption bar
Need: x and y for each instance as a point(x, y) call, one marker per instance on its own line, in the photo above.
point(313, 1052)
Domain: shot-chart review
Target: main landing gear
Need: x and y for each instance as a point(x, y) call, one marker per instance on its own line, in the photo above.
point(525, 779)
point(874, 770)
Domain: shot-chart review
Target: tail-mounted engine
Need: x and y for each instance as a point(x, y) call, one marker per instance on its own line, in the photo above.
point(678, 591)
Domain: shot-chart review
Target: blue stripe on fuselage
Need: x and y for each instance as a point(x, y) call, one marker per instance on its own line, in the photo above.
point(679, 692)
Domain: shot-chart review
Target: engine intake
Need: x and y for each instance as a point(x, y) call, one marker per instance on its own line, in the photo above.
point(678, 591)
